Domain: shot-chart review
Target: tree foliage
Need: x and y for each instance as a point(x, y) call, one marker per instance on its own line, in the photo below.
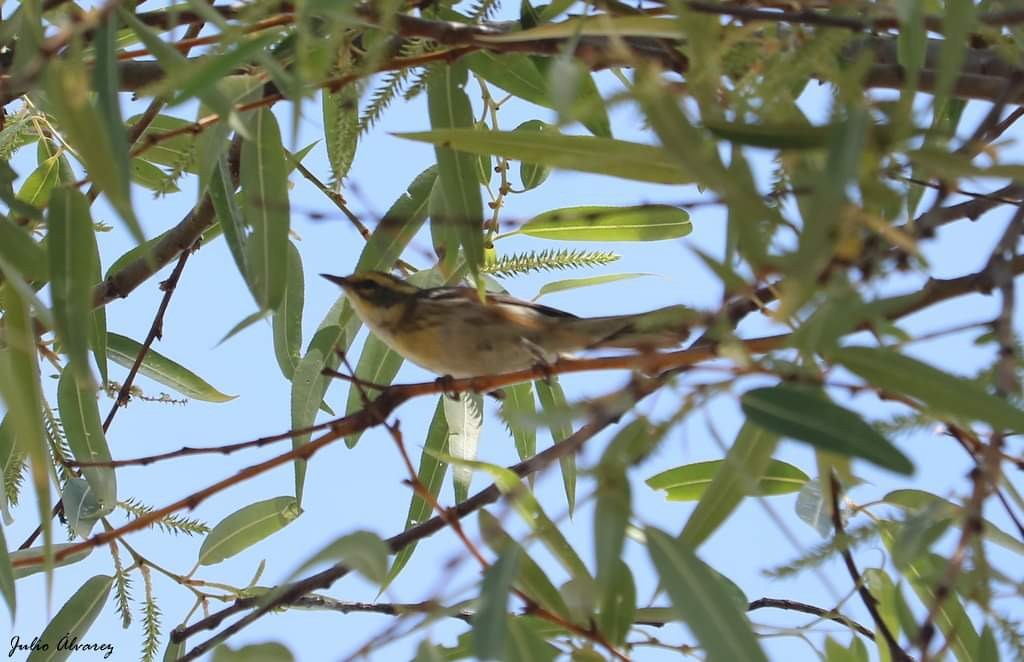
point(841, 141)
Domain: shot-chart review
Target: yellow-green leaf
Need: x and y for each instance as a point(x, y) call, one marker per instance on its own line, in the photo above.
point(639, 223)
point(72, 258)
point(601, 156)
point(247, 526)
point(690, 481)
point(123, 350)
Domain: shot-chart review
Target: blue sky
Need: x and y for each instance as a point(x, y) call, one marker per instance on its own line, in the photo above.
point(348, 490)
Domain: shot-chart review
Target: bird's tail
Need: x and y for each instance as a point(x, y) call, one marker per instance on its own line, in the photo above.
point(657, 329)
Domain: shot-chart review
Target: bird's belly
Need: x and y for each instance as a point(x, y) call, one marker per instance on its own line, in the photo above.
point(467, 352)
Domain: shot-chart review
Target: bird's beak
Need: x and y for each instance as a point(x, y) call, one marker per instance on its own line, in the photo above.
point(337, 280)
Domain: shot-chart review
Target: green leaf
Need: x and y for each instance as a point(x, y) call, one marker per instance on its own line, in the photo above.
point(107, 85)
point(74, 619)
point(806, 414)
point(378, 364)
point(617, 605)
point(22, 395)
point(431, 474)
point(159, 368)
point(399, 225)
point(287, 322)
point(611, 516)
point(957, 24)
point(267, 652)
point(518, 410)
point(576, 283)
point(18, 250)
point(530, 577)
point(247, 526)
point(39, 552)
point(919, 499)
point(265, 205)
point(80, 416)
point(604, 25)
point(341, 128)
point(7, 576)
point(103, 153)
point(689, 482)
point(71, 246)
point(362, 551)
point(81, 507)
point(552, 400)
point(196, 79)
point(490, 629)
point(177, 153)
point(748, 458)
point(229, 218)
point(699, 598)
point(465, 420)
point(639, 223)
point(941, 391)
point(38, 185)
point(772, 136)
point(601, 156)
point(449, 108)
point(812, 508)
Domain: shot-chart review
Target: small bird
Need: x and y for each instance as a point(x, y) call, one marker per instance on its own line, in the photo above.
point(451, 332)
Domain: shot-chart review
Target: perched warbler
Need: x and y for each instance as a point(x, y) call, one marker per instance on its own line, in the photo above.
point(450, 331)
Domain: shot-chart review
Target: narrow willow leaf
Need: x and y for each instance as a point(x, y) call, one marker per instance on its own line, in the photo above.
point(951, 617)
point(107, 86)
point(70, 244)
point(611, 516)
point(362, 551)
point(806, 414)
point(601, 156)
point(530, 577)
point(341, 129)
point(465, 420)
point(748, 458)
point(431, 474)
point(941, 391)
point(919, 499)
point(689, 482)
point(90, 135)
point(7, 576)
point(268, 652)
point(639, 223)
point(884, 591)
point(287, 322)
point(576, 283)
point(81, 507)
point(552, 400)
point(265, 205)
point(400, 224)
point(309, 384)
point(812, 508)
point(698, 597)
point(196, 79)
point(518, 410)
point(38, 185)
point(957, 25)
point(773, 136)
point(80, 416)
point(449, 108)
point(22, 395)
point(490, 630)
point(18, 250)
point(229, 217)
point(247, 526)
point(617, 604)
point(159, 368)
point(74, 619)
point(37, 553)
point(179, 152)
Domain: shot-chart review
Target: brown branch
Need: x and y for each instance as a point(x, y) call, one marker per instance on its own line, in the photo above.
point(156, 330)
point(870, 602)
point(830, 614)
point(322, 580)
